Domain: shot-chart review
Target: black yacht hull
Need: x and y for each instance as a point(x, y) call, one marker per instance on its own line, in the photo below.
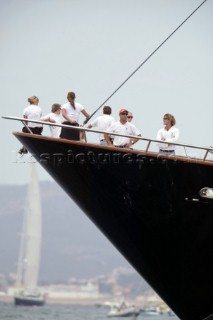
point(29, 301)
point(149, 207)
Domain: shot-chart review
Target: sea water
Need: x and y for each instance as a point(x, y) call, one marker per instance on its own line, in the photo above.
point(63, 312)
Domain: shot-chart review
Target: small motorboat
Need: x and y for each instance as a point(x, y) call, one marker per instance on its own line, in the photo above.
point(123, 310)
point(150, 311)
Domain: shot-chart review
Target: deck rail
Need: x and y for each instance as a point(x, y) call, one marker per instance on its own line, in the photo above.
point(207, 150)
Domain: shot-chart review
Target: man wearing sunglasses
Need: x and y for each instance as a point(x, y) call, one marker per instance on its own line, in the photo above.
point(129, 116)
point(122, 127)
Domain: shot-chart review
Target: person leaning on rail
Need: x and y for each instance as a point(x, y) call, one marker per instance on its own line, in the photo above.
point(54, 117)
point(71, 113)
point(169, 133)
point(103, 123)
point(130, 117)
point(34, 112)
point(125, 128)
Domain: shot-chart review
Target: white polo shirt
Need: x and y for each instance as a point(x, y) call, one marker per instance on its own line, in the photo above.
point(171, 135)
point(103, 123)
point(125, 129)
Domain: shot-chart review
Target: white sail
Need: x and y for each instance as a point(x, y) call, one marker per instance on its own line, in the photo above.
point(29, 256)
point(33, 233)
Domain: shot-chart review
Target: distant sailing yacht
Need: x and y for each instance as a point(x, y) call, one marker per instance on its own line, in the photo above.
point(27, 292)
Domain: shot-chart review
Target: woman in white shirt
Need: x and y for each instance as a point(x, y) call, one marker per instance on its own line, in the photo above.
point(169, 133)
point(33, 111)
point(71, 113)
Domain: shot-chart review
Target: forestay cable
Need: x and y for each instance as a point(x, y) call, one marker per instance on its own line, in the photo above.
point(162, 43)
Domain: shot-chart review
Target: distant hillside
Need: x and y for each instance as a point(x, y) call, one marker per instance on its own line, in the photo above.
point(71, 246)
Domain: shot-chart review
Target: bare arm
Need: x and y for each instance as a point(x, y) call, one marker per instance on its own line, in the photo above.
point(135, 132)
point(132, 141)
point(85, 114)
point(106, 137)
point(48, 119)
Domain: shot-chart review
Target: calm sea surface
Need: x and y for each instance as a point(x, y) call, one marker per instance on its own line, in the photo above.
point(63, 312)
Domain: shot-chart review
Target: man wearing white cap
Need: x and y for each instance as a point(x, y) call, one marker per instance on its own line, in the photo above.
point(122, 127)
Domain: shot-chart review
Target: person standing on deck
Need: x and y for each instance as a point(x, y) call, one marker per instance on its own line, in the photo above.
point(34, 112)
point(122, 127)
point(71, 113)
point(54, 117)
point(169, 133)
point(129, 116)
point(103, 123)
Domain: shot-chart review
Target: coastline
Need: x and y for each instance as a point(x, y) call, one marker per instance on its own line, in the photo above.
point(57, 300)
point(98, 301)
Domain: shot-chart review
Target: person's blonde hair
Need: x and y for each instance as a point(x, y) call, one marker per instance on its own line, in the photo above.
point(33, 100)
point(55, 107)
point(171, 118)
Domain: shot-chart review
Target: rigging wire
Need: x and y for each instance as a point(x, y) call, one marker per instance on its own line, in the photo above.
point(153, 52)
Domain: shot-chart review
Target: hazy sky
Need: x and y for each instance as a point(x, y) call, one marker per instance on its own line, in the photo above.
point(50, 47)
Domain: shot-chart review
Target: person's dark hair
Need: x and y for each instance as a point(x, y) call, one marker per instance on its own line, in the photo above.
point(107, 110)
point(55, 107)
point(71, 98)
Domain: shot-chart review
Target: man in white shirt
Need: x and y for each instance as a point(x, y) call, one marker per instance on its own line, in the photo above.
point(103, 123)
point(54, 117)
point(125, 128)
point(129, 116)
point(168, 134)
